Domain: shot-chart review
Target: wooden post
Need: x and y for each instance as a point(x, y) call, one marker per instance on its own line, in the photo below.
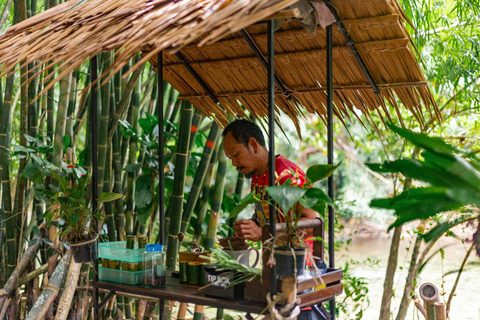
point(429, 294)
point(440, 311)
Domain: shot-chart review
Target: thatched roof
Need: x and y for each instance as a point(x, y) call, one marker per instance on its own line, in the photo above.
point(208, 34)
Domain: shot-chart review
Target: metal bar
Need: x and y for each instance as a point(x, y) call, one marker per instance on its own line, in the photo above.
point(264, 62)
point(317, 89)
point(196, 76)
point(105, 300)
point(271, 133)
point(93, 121)
point(161, 175)
point(331, 194)
point(353, 48)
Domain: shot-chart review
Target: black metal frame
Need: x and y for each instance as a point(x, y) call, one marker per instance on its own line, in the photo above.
point(272, 79)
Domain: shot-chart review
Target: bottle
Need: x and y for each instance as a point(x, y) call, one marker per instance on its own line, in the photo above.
point(321, 269)
point(154, 271)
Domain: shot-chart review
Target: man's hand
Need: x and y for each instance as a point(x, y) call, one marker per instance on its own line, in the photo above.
point(248, 229)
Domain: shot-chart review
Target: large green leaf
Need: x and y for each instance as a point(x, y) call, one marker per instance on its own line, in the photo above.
point(320, 171)
point(316, 199)
point(441, 228)
point(110, 196)
point(249, 199)
point(412, 169)
point(143, 198)
point(285, 196)
point(454, 168)
point(423, 141)
point(418, 203)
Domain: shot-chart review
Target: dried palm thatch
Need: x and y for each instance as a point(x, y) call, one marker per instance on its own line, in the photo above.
point(77, 29)
point(206, 33)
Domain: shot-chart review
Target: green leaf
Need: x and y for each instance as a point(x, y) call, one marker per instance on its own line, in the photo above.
point(143, 198)
point(320, 171)
point(316, 199)
point(285, 196)
point(133, 167)
point(441, 228)
point(23, 149)
point(66, 141)
point(30, 171)
point(110, 196)
point(249, 199)
point(423, 141)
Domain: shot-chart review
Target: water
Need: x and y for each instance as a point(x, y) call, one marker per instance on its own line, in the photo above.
point(466, 302)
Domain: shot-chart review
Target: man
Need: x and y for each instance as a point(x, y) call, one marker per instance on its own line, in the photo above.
point(244, 144)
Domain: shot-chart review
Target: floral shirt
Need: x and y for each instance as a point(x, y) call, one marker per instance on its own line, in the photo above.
point(284, 170)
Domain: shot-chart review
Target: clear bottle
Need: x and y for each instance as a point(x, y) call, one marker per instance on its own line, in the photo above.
point(154, 272)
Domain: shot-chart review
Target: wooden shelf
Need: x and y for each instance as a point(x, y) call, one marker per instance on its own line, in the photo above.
point(183, 293)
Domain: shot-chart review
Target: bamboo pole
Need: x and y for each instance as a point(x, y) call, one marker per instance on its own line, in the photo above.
point(202, 205)
point(440, 311)
point(200, 176)
point(50, 292)
point(216, 200)
point(69, 290)
point(9, 289)
point(176, 202)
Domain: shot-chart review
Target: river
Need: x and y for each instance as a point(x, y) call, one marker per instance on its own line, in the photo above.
point(465, 303)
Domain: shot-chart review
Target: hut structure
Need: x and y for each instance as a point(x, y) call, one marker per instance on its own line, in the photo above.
point(215, 56)
point(219, 40)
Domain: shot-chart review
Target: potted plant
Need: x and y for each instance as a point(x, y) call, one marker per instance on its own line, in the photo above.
point(69, 209)
point(288, 248)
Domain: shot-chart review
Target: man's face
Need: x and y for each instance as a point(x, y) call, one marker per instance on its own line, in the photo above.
point(243, 158)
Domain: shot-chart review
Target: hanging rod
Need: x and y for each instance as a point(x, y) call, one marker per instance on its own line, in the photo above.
point(353, 48)
point(196, 76)
point(264, 62)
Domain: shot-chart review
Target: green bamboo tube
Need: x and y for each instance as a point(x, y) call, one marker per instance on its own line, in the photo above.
point(220, 314)
point(238, 191)
point(200, 176)
point(176, 202)
point(118, 187)
point(196, 120)
point(198, 313)
point(103, 125)
point(108, 206)
point(6, 118)
point(216, 200)
point(202, 205)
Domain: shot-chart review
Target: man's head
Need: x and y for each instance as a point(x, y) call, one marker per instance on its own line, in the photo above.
point(244, 144)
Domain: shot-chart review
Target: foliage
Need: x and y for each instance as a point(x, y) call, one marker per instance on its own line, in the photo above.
point(298, 190)
point(452, 182)
point(67, 202)
point(355, 297)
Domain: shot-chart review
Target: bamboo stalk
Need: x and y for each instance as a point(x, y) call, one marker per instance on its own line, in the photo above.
point(202, 205)
point(176, 202)
point(12, 283)
point(216, 200)
point(200, 176)
point(67, 295)
point(440, 311)
point(50, 292)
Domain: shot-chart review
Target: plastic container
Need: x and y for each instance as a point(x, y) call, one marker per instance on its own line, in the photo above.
point(120, 276)
point(154, 266)
point(118, 251)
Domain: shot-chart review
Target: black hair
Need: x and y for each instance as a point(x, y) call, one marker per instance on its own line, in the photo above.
point(242, 130)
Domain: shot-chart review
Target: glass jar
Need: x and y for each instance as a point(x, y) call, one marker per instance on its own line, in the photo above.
point(154, 266)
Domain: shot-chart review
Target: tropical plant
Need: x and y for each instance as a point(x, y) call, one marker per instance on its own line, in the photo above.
point(68, 204)
point(297, 192)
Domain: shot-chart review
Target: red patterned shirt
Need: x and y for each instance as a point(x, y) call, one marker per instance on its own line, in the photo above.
point(283, 170)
